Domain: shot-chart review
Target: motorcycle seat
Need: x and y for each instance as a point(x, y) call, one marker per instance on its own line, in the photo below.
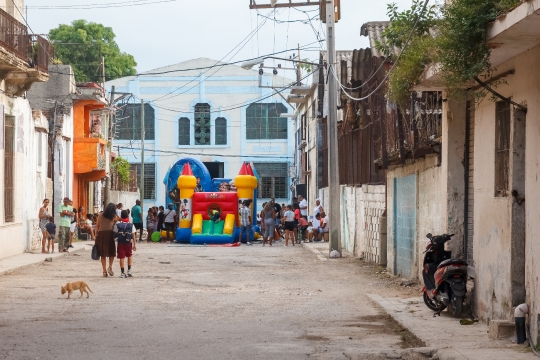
point(451, 262)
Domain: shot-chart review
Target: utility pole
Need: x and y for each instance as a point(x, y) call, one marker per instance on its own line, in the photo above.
point(103, 72)
point(299, 73)
point(333, 159)
point(107, 195)
point(141, 185)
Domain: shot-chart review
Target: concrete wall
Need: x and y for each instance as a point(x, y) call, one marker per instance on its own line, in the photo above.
point(495, 217)
point(363, 230)
point(23, 233)
point(440, 189)
point(430, 217)
point(127, 198)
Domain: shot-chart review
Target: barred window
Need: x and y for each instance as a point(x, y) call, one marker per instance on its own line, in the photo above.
point(202, 124)
point(183, 131)
point(221, 131)
point(149, 179)
point(502, 148)
point(263, 122)
point(128, 123)
point(273, 180)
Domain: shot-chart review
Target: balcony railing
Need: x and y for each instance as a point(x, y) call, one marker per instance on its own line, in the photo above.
point(33, 49)
point(41, 53)
point(14, 35)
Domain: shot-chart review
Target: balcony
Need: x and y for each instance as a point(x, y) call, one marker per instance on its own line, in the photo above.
point(24, 58)
point(90, 157)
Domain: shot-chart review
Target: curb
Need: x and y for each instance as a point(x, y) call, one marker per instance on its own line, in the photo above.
point(26, 259)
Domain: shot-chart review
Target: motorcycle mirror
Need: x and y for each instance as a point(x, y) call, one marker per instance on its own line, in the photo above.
point(429, 236)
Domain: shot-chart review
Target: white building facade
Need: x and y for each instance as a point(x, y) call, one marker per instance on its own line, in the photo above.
point(221, 116)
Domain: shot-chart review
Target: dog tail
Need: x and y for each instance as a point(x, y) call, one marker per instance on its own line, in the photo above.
point(88, 287)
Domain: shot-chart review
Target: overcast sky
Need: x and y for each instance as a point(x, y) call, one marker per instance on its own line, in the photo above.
point(167, 32)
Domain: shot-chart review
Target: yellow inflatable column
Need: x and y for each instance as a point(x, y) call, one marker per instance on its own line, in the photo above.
point(186, 183)
point(245, 183)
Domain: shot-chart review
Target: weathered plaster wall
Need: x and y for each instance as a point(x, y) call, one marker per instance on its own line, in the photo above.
point(493, 241)
point(430, 216)
point(127, 198)
point(439, 189)
point(21, 235)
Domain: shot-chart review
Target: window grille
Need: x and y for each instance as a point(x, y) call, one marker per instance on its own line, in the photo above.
point(128, 123)
point(221, 131)
point(149, 179)
point(183, 131)
point(202, 124)
point(502, 147)
point(273, 180)
point(263, 122)
point(9, 169)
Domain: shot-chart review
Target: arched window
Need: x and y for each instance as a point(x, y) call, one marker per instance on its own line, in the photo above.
point(202, 124)
point(221, 131)
point(183, 131)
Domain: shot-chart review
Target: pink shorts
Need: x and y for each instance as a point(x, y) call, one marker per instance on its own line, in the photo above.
point(124, 251)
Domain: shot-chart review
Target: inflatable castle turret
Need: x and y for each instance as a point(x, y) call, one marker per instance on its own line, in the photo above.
point(245, 183)
point(186, 183)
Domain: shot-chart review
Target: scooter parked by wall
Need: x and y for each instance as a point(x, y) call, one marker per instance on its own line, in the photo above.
point(445, 279)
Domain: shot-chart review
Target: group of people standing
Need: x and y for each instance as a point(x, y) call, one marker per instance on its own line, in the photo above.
point(70, 220)
point(292, 218)
point(157, 218)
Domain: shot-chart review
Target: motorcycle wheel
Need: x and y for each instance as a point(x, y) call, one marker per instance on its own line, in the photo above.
point(431, 304)
point(457, 306)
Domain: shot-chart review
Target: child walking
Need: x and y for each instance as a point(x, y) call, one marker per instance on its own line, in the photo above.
point(51, 231)
point(125, 232)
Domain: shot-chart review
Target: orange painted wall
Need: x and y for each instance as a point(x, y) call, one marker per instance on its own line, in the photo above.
point(84, 151)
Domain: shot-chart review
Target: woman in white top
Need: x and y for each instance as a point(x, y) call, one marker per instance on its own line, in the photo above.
point(289, 225)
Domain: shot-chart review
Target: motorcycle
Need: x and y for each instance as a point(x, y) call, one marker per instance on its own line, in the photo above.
point(445, 279)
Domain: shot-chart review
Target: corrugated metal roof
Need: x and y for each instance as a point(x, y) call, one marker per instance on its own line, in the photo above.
point(373, 30)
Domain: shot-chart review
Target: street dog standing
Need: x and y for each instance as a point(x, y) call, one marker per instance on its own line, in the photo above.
point(76, 285)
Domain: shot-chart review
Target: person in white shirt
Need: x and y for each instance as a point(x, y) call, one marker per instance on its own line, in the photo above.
point(315, 225)
point(325, 227)
point(318, 208)
point(170, 217)
point(119, 209)
point(302, 203)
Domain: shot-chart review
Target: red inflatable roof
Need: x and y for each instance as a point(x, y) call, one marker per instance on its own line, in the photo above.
point(187, 170)
point(244, 170)
point(250, 170)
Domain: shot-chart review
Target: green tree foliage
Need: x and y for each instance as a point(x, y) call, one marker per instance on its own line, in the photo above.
point(462, 50)
point(122, 167)
point(82, 44)
point(452, 36)
point(408, 41)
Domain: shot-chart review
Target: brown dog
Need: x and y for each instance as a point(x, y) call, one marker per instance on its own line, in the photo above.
point(76, 285)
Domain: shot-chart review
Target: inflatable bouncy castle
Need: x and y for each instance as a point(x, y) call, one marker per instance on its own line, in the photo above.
point(212, 217)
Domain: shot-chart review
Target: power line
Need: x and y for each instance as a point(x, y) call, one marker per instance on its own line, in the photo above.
point(197, 152)
point(304, 48)
point(239, 105)
point(250, 35)
point(98, 6)
point(331, 69)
